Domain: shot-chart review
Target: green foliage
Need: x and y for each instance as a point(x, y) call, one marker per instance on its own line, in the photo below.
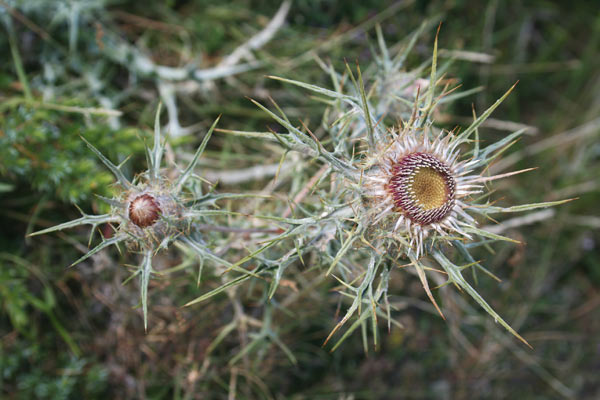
point(27, 374)
point(43, 148)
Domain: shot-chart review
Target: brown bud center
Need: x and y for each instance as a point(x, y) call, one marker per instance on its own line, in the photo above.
point(144, 210)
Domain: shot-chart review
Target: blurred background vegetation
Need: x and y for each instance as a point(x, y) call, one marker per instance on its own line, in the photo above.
point(98, 68)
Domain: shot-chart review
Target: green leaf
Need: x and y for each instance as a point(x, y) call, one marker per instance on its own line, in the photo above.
point(490, 235)
point(105, 243)
point(433, 76)
point(519, 208)
point(113, 168)
point(186, 174)
point(146, 270)
point(207, 254)
point(278, 274)
point(86, 219)
point(218, 290)
point(352, 236)
point(455, 276)
point(157, 149)
point(465, 135)
point(329, 93)
point(351, 329)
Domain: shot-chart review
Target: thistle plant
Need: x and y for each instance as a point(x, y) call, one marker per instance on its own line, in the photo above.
point(389, 194)
point(151, 211)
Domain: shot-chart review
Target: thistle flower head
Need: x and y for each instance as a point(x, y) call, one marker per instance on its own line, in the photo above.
point(421, 183)
point(150, 212)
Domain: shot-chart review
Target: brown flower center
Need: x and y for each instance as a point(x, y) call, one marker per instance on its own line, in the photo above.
point(422, 188)
point(144, 210)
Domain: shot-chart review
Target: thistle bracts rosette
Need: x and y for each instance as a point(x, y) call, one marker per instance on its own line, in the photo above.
point(407, 190)
point(422, 183)
point(151, 211)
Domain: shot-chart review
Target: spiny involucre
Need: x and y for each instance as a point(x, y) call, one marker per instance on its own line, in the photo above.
point(152, 211)
point(407, 190)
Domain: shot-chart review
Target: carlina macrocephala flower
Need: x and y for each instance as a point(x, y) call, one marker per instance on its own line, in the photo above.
point(150, 212)
point(422, 182)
